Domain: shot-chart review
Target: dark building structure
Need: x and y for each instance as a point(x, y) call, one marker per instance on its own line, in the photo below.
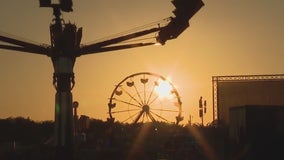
point(241, 90)
point(256, 132)
point(83, 123)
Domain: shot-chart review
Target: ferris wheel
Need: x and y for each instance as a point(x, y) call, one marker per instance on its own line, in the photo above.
point(145, 97)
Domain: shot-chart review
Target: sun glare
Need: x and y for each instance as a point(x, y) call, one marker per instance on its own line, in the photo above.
point(163, 89)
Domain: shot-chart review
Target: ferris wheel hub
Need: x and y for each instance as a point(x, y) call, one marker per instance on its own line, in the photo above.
point(146, 108)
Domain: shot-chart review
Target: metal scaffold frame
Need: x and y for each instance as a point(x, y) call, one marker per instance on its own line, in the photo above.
point(237, 78)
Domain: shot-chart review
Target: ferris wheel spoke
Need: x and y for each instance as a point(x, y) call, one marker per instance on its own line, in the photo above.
point(153, 100)
point(137, 92)
point(128, 110)
point(159, 116)
point(138, 117)
point(144, 93)
point(143, 116)
point(151, 117)
point(132, 97)
point(164, 110)
point(148, 118)
point(144, 80)
point(126, 102)
point(151, 93)
point(130, 117)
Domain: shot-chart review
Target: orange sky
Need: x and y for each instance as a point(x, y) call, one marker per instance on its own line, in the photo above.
point(225, 38)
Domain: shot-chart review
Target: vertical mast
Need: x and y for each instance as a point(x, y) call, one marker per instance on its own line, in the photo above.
point(63, 45)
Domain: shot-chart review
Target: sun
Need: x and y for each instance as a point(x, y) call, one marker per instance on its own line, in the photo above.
point(163, 89)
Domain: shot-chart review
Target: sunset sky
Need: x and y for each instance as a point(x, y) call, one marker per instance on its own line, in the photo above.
point(226, 37)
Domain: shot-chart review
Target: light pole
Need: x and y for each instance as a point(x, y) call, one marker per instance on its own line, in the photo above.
point(202, 109)
point(75, 106)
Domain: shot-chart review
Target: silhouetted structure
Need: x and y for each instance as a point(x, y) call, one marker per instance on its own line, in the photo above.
point(75, 117)
point(231, 91)
point(256, 132)
point(202, 109)
point(83, 123)
point(114, 141)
